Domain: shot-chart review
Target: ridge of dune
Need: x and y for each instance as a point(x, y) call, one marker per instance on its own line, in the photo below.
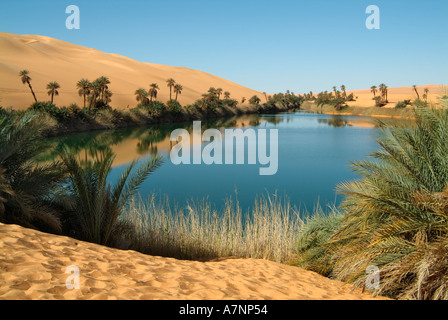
point(49, 59)
point(33, 265)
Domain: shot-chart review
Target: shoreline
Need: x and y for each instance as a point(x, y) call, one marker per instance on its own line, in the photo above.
point(58, 129)
point(371, 112)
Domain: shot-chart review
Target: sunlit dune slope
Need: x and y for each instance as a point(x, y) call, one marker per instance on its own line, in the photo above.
point(48, 59)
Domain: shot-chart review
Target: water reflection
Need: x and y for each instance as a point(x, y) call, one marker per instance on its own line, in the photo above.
point(136, 143)
point(315, 152)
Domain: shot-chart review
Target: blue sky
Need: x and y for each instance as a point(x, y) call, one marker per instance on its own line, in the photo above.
point(270, 46)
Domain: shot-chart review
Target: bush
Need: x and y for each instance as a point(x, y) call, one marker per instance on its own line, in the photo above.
point(154, 108)
point(231, 103)
point(193, 110)
point(313, 238)
point(3, 112)
point(174, 108)
point(396, 216)
point(420, 103)
point(45, 107)
point(74, 109)
point(379, 101)
point(351, 97)
point(63, 114)
point(338, 103)
point(401, 104)
point(101, 105)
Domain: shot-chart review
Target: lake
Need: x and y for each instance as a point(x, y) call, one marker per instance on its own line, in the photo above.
point(314, 156)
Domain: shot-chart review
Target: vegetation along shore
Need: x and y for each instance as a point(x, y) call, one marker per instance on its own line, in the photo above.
point(393, 217)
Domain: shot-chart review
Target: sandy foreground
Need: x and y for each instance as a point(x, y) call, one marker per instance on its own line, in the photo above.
point(33, 266)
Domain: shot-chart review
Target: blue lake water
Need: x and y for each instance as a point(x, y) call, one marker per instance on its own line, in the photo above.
point(314, 156)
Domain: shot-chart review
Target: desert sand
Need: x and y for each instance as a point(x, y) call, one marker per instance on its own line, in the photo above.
point(33, 266)
point(364, 97)
point(49, 59)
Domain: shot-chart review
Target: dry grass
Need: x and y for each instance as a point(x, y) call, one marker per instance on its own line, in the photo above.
point(199, 232)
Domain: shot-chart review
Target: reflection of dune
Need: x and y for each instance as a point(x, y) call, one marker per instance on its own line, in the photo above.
point(127, 151)
point(361, 124)
point(140, 142)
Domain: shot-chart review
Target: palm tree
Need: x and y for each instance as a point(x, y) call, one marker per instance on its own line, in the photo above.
point(103, 84)
point(395, 216)
point(227, 95)
point(219, 92)
point(25, 185)
point(93, 206)
point(265, 96)
point(153, 90)
point(373, 89)
point(425, 96)
point(243, 99)
point(335, 89)
point(383, 90)
point(107, 96)
point(344, 93)
point(141, 95)
point(24, 76)
point(96, 87)
point(416, 91)
point(84, 87)
point(52, 88)
point(170, 83)
point(212, 90)
point(178, 89)
point(254, 100)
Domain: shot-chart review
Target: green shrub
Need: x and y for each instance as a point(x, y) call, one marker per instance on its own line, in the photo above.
point(402, 104)
point(63, 114)
point(313, 241)
point(154, 108)
point(74, 109)
point(101, 105)
point(45, 107)
point(25, 185)
point(379, 102)
point(231, 103)
point(174, 108)
point(92, 205)
point(396, 216)
point(3, 111)
point(420, 103)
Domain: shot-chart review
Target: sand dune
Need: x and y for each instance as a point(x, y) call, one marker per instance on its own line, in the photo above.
point(398, 94)
point(33, 266)
point(49, 59)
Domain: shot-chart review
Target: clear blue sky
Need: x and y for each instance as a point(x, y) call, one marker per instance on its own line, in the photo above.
point(266, 45)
